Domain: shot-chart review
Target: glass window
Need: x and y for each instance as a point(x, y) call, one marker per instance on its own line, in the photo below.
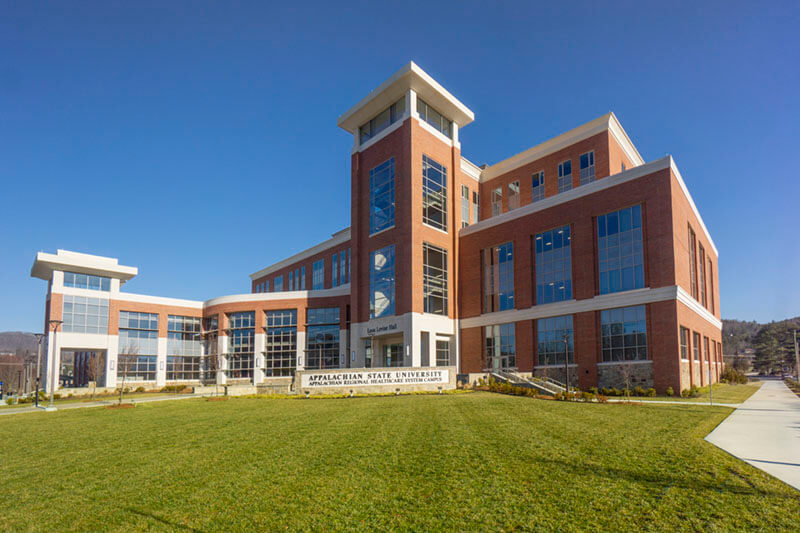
point(318, 275)
point(553, 265)
point(291, 281)
point(434, 193)
point(692, 263)
point(302, 278)
point(501, 351)
point(497, 201)
point(498, 284)
point(711, 284)
point(322, 338)
point(623, 334)
point(476, 203)
point(184, 348)
point(696, 346)
point(434, 118)
point(702, 262)
point(684, 343)
point(278, 283)
point(381, 282)
point(513, 195)
point(138, 346)
point(84, 315)
point(343, 277)
point(280, 356)
point(434, 279)
point(619, 247)
point(348, 265)
point(367, 353)
point(442, 353)
point(587, 167)
point(550, 345)
point(565, 176)
point(464, 206)
point(537, 185)
point(335, 270)
point(381, 196)
point(382, 121)
point(241, 340)
point(87, 281)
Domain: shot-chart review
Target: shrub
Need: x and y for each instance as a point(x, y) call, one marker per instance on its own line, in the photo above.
point(670, 391)
point(56, 396)
point(9, 401)
point(650, 392)
point(593, 390)
point(602, 398)
point(139, 389)
point(731, 375)
point(638, 391)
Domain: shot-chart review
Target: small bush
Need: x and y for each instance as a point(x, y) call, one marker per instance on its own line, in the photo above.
point(731, 375)
point(593, 390)
point(602, 398)
point(651, 392)
point(139, 389)
point(56, 396)
point(9, 401)
point(638, 391)
point(670, 391)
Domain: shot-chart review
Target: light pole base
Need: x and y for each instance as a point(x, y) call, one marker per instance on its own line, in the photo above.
point(49, 409)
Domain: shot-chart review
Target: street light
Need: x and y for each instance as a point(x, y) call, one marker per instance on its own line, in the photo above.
point(566, 360)
point(54, 380)
point(39, 337)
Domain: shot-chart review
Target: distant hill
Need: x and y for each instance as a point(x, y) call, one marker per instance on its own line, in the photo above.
point(18, 342)
point(737, 335)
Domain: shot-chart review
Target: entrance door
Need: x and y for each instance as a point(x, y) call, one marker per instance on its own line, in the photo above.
point(393, 354)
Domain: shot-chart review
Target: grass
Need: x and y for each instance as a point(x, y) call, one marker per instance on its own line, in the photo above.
point(475, 461)
point(723, 393)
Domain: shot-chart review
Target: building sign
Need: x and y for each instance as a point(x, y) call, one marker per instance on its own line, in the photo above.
point(382, 329)
point(368, 378)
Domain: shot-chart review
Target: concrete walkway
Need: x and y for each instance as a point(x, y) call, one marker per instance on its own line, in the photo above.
point(765, 432)
point(97, 403)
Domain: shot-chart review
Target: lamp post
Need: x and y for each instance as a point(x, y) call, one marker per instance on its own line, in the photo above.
point(566, 361)
point(796, 358)
point(54, 380)
point(39, 337)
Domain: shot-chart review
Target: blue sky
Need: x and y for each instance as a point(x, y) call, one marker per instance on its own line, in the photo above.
point(198, 141)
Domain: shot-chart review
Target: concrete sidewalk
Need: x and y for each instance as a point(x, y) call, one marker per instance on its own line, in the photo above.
point(765, 432)
point(97, 403)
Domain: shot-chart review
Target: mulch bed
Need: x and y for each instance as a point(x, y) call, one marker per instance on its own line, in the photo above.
point(121, 406)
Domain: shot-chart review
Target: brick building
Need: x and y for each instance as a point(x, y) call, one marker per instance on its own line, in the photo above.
point(575, 248)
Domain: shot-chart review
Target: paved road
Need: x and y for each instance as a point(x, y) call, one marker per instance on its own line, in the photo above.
point(99, 403)
point(765, 432)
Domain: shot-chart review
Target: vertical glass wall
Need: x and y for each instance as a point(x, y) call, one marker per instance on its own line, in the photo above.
point(280, 356)
point(620, 251)
point(553, 265)
point(381, 197)
point(322, 338)
point(498, 281)
point(381, 282)
point(241, 341)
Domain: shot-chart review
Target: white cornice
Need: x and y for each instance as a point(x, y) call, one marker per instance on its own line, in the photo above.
point(598, 303)
point(408, 77)
point(338, 238)
point(470, 169)
point(67, 261)
point(156, 300)
point(567, 196)
point(341, 290)
point(685, 190)
point(606, 122)
point(686, 299)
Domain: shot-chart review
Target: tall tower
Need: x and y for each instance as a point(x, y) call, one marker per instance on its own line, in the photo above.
point(407, 187)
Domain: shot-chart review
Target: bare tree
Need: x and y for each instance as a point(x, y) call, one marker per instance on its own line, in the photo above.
point(214, 361)
point(125, 362)
point(626, 374)
point(95, 369)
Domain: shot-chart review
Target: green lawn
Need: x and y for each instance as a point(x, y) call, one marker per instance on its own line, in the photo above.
point(476, 461)
point(88, 399)
point(723, 393)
